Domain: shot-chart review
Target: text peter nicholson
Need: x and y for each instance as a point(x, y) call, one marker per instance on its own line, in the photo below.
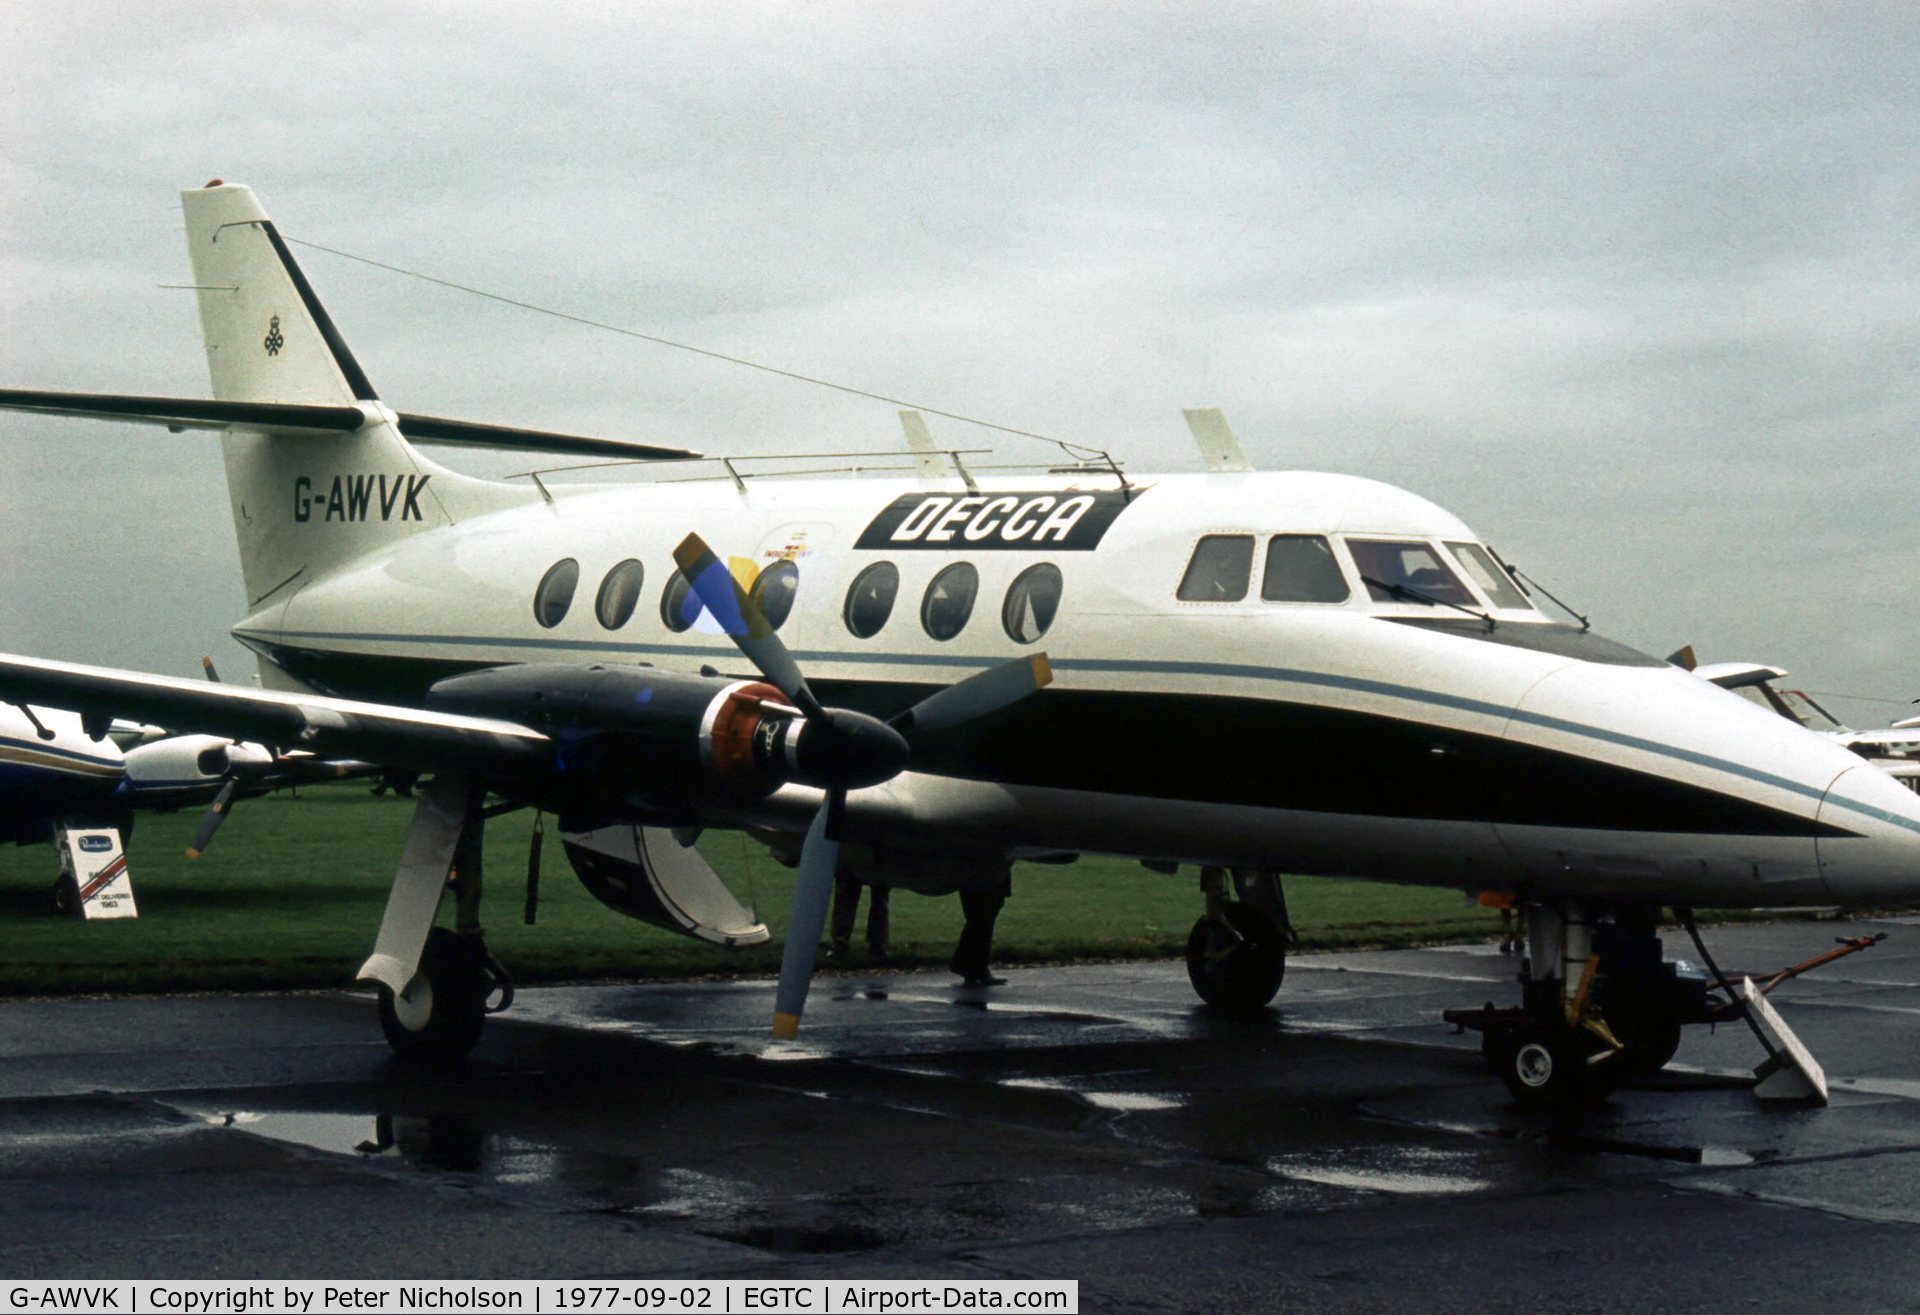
point(673, 1297)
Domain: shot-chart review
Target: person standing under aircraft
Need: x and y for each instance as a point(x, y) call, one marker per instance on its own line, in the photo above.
point(846, 908)
point(975, 948)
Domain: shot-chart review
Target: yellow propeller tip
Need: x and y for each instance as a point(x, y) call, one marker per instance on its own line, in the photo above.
point(689, 553)
point(1042, 670)
point(192, 852)
point(786, 1027)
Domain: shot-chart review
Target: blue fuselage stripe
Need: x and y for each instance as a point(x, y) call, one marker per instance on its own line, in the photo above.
point(1149, 666)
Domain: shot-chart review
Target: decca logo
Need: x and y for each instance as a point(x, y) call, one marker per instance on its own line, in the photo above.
point(1070, 521)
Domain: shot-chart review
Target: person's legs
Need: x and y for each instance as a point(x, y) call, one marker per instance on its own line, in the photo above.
point(846, 905)
point(975, 948)
point(879, 921)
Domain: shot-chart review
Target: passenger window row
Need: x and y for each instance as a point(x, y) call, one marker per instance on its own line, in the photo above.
point(1031, 603)
point(1303, 568)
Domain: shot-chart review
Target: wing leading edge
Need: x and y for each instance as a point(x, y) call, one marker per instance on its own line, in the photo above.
point(389, 734)
point(178, 413)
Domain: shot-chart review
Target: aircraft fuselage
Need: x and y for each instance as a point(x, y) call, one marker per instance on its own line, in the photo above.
point(1384, 737)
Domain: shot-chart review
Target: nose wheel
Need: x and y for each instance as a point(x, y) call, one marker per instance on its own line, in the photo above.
point(1548, 1064)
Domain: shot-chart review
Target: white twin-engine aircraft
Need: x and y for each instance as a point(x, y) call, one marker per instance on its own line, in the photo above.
point(1254, 673)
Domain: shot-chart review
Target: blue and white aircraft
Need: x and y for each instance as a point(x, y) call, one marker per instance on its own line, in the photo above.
point(1249, 672)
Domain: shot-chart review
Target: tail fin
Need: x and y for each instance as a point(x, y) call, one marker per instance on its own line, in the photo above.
point(268, 337)
point(303, 505)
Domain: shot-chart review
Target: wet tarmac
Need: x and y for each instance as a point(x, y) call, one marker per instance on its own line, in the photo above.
point(1343, 1152)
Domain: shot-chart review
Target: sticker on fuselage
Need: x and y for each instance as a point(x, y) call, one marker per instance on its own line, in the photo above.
point(1051, 522)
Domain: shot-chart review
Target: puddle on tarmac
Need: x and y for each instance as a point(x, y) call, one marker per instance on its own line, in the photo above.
point(1588, 1143)
point(1905, 1089)
point(1410, 1171)
point(1121, 1101)
point(447, 1142)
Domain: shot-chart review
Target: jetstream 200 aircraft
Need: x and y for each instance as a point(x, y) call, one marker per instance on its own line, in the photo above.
point(1250, 672)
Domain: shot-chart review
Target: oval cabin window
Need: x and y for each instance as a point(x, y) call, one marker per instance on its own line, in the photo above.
point(949, 601)
point(619, 593)
point(773, 591)
point(1032, 600)
point(678, 607)
point(870, 599)
point(555, 594)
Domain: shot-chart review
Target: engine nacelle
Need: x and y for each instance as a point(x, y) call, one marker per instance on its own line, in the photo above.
point(179, 770)
point(664, 732)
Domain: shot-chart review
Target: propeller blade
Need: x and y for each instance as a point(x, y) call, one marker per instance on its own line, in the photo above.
point(1683, 658)
point(976, 696)
point(713, 584)
point(206, 665)
point(812, 891)
point(215, 815)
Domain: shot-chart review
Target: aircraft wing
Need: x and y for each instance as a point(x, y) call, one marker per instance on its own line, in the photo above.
point(180, 413)
point(389, 734)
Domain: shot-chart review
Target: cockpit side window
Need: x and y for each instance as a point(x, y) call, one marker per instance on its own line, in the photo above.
point(1301, 569)
point(1496, 584)
point(1400, 571)
point(1220, 570)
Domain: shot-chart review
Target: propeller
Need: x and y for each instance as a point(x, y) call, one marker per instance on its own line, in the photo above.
point(837, 748)
point(212, 819)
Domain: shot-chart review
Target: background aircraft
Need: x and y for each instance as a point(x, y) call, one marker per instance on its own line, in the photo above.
point(1893, 749)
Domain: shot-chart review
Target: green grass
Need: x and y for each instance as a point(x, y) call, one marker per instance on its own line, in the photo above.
point(291, 891)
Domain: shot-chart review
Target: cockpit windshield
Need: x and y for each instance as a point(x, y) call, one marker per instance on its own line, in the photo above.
point(1401, 571)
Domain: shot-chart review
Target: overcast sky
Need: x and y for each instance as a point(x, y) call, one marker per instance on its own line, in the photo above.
point(1634, 289)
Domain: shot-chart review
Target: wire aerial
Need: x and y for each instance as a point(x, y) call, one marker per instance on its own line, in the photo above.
point(1075, 451)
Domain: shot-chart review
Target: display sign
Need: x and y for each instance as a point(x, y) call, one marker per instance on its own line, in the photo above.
point(93, 870)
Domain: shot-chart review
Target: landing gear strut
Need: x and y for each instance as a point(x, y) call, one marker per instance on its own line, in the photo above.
point(437, 984)
point(1237, 951)
point(1601, 1006)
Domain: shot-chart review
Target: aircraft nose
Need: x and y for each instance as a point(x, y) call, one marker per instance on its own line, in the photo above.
point(1873, 856)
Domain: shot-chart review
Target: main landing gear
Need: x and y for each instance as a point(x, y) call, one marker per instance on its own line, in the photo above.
point(1237, 951)
point(437, 984)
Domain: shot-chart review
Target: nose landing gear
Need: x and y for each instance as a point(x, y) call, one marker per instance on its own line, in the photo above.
point(1602, 1006)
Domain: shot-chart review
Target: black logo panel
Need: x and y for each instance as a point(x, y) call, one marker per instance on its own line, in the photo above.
point(1069, 521)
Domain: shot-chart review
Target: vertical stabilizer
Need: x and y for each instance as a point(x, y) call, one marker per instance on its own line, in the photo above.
point(303, 504)
point(268, 338)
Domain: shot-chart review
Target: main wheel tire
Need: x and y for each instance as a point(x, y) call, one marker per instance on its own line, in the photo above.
point(1648, 1042)
point(1496, 1043)
point(440, 1014)
point(1545, 1066)
point(1236, 968)
point(66, 896)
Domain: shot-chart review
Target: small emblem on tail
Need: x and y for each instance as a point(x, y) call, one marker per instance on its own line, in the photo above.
point(274, 340)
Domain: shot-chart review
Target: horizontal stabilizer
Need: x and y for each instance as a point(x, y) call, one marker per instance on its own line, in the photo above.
point(178, 413)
